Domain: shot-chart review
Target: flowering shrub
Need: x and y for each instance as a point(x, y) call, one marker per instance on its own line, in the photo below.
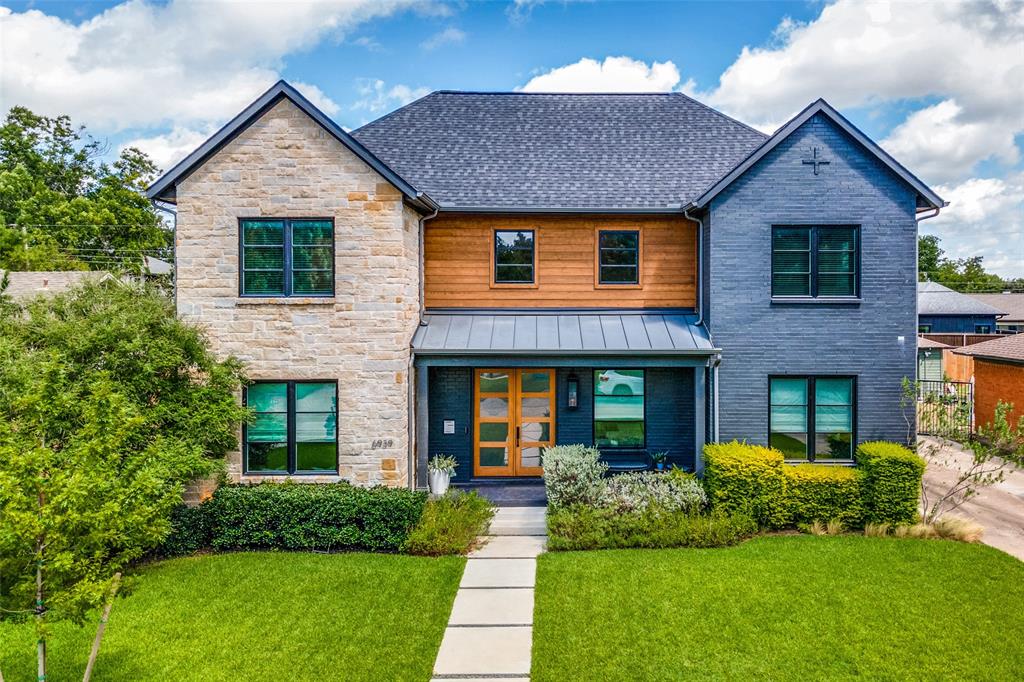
point(573, 474)
point(631, 492)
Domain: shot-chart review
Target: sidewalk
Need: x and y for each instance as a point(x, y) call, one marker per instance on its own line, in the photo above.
point(999, 509)
point(490, 630)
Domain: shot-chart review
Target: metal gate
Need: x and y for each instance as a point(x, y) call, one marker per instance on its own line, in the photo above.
point(945, 407)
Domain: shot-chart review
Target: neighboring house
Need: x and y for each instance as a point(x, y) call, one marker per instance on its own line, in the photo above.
point(487, 274)
point(940, 310)
point(24, 285)
point(929, 359)
point(998, 376)
point(1010, 303)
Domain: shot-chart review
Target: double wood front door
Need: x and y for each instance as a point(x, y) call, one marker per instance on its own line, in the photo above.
point(514, 420)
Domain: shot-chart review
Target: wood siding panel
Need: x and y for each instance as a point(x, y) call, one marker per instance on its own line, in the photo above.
point(457, 263)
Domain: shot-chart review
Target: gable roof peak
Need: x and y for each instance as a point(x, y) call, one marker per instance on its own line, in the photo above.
point(165, 187)
point(821, 106)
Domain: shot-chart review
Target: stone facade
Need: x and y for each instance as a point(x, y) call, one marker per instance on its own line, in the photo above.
point(285, 165)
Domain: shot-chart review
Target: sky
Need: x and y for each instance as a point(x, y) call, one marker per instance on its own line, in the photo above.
point(940, 85)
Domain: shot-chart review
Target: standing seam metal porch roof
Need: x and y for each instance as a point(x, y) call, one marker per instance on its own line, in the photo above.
point(563, 332)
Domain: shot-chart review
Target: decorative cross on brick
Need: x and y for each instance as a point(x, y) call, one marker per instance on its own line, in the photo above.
point(815, 161)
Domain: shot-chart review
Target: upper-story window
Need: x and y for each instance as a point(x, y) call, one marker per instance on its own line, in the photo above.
point(287, 257)
point(514, 261)
point(982, 329)
point(618, 257)
point(819, 261)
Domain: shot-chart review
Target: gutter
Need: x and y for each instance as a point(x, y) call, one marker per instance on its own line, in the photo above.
point(700, 263)
point(410, 373)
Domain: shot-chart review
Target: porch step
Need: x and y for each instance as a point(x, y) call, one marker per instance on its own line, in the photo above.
point(519, 521)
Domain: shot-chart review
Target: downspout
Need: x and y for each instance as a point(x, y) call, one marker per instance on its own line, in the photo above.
point(411, 371)
point(700, 264)
point(700, 317)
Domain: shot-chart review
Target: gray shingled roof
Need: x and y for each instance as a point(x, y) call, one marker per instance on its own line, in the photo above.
point(935, 299)
point(563, 332)
point(1009, 348)
point(563, 151)
point(1011, 304)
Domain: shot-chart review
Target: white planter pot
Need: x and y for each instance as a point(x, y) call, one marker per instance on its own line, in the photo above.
point(439, 481)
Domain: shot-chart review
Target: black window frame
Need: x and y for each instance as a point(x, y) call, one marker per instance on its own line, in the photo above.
point(533, 257)
point(290, 436)
point(924, 329)
point(601, 249)
point(811, 406)
point(814, 253)
point(977, 327)
point(593, 409)
point(287, 267)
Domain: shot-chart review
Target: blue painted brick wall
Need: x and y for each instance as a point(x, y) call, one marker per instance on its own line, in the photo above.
point(450, 392)
point(758, 338)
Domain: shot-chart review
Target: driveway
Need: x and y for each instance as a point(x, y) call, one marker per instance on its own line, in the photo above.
point(999, 509)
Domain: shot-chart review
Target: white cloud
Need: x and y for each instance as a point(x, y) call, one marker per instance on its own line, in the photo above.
point(940, 145)
point(858, 54)
point(614, 74)
point(449, 36)
point(170, 148)
point(985, 218)
point(377, 97)
point(142, 64)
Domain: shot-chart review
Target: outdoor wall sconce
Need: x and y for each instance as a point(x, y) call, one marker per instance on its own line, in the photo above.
point(572, 390)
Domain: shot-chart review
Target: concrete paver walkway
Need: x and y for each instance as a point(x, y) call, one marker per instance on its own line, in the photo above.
point(490, 630)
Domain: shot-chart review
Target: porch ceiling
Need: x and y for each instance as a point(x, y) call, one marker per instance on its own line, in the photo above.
point(562, 332)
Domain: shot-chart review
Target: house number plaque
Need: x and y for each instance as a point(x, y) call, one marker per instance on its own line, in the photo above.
point(382, 444)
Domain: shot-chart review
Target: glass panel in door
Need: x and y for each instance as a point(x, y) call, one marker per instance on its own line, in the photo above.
point(535, 412)
point(494, 389)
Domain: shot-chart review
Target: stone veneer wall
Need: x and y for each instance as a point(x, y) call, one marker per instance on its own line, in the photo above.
point(285, 165)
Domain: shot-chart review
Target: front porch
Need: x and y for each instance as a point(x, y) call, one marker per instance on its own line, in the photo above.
point(496, 409)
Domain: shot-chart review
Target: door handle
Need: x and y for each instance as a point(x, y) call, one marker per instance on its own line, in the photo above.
point(517, 436)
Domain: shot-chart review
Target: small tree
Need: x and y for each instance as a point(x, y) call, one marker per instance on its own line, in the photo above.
point(108, 406)
point(996, 447)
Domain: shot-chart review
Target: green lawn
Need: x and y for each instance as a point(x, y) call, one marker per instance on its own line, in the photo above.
point(262, 616)
point(783, 608)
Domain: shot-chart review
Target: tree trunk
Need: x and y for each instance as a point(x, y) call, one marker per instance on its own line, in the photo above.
point(40, 604)
point(40, 619)
point(101, 629)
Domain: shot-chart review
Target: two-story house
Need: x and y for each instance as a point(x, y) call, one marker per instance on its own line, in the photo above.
point(487, 274)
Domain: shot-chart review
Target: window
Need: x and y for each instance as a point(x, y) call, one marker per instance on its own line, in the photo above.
point(619, 408)
point(287, 257)
point(812, 417)
point(618, 257)
point(295, 428)
point(814, 261)
point(513, 256)
point(924, 329)
point(982, 329)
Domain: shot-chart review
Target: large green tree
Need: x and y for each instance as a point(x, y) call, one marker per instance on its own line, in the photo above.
point(61, 208)
point(109, 405)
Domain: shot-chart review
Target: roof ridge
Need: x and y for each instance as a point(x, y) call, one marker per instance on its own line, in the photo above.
point(727, 117)
point(391, 114)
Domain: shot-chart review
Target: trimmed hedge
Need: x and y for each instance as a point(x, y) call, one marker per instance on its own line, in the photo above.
point(747, 479)
point(582, 527)
point(815, 492)
point(892, 482)
point(752, 479)
point(300, 517)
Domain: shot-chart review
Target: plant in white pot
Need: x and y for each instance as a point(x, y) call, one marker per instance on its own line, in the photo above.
point(441, 468)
